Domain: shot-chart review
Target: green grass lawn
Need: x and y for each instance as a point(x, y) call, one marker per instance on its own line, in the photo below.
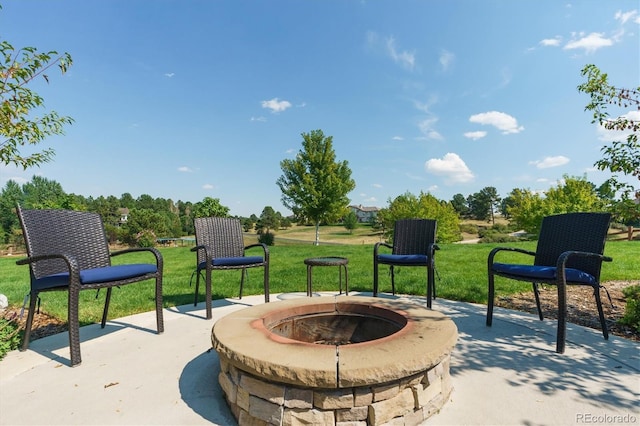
point(461, 276)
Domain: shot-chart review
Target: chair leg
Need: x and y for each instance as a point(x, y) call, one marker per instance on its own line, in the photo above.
point(243, 272)
point(562, 318)
point(33, 297)
point(195, 300)
point(207, 297)
point(159, 307)
point(490, 295)
point(603, 322)
point(74, 325)
point(375, 278)
point(266, 283)
point(106, 307)
point(536, 293)
point(430, 291)
point(393, 282)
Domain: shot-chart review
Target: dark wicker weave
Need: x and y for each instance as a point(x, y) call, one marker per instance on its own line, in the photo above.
point(72, 243)
point(571, 240)
point(414, 244)
point(220, 245)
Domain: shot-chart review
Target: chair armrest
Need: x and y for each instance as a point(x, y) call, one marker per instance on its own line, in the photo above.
point(495, 251)
point(156, 253)
point(564, 257)
point(264, 247)
point(72, 264)
point(378, 245)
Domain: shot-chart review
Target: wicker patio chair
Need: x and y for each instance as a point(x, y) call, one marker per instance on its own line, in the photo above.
point(569, 252)
point(414, 244)
point(68, 251)
point(220, 245)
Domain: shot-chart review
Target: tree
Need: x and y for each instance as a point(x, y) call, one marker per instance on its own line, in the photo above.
point(425, 206)
point(314, 186)
point(622, 157)
point(459, 203)
point(19, 124)
point(350, 221)
point(269, 219)
point(210, 207)
point(573, 194)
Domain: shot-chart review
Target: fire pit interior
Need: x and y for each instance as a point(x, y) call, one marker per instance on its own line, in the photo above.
point(337, 359)
point(343, 327)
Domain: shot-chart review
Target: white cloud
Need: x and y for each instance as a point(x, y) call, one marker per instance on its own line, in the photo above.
point(397, 138)
point(276, 105)
point(451, 167)
point(590, 43)
point(260, 119)
point(551, 41)
point(548, 162)
point(377, 185)
point(504, 122)
point(446, 59)
point(623, 17)
point(207, 186)
point(185, 169)
point(404, 58)
point(169, 74)
point(475, 135)
point(618, 135)
point(426, 127)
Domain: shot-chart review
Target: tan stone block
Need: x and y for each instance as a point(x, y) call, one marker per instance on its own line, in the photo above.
point(383, 411)
point(354, 423)
point(295, 417)
point(333, 399)
point(245, 419)
point(269, 391)
point(265, 410)
point(228, 387)
point(298, 398)
point(363, 396)
point(412, 381)
point(425, 394)
point(242, 399)
point(414, 418)
point(352, 414)
point(388, 391)
point(432, 376)
point(224, 365)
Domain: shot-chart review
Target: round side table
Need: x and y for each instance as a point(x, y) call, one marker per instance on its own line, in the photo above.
point(340, 262)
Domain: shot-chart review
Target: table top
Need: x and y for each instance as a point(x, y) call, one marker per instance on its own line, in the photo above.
point(326, 261)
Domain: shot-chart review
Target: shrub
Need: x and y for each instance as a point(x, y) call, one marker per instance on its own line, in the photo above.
point(266, 238)
point(632, 309)
point(468, 228)
point(10, 336)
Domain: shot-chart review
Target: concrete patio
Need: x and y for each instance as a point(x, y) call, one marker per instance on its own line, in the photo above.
point(504, 375)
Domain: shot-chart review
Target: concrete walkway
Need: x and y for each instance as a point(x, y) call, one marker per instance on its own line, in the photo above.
point(508, 374)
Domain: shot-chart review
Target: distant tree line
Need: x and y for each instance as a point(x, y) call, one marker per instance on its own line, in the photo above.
point(133, 221)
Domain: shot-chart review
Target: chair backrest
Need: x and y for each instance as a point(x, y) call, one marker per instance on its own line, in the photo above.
point(223, 235)
point(77, 234)
point(413, 236)
point(573, 232)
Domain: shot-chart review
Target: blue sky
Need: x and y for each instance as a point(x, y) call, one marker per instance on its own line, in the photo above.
point(191, 99)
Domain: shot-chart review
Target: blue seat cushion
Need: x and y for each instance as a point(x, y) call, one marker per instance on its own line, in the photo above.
point(404, 259)
point(98, 275)
point(543, 273)
point(233, 261)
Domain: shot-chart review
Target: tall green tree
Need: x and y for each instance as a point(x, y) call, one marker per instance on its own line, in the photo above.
point(314, 185)
point(424, 206)
point(269, 220)
point(210, 207)
point(621, 157)
point(20, 123)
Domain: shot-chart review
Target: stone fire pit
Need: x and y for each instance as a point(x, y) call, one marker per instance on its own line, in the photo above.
point(333, 360)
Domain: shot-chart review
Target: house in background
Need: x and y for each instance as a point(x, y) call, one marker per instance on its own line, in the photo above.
point(364, 214)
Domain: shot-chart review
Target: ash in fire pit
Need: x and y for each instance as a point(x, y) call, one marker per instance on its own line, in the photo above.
point(377, 360)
